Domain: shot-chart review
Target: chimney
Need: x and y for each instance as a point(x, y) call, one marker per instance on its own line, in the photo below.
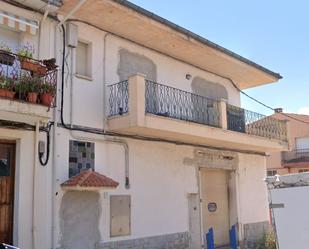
point(278, 110)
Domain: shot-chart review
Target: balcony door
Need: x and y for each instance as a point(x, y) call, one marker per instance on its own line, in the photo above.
point(7, 168)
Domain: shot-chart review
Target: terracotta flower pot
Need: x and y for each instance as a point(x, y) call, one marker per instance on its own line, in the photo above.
point(3, 92)
point(10, 94)
point(32, 97)
point(6, 58)
point(36, 68)
point(47, 99)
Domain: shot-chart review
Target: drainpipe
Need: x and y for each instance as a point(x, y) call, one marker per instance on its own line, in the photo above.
point(40, 29)
point(54, 158)
point(199, 186)
point(35, 164)
point(121, 142)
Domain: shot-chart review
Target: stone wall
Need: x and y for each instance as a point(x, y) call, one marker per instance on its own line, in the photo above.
point(168, 241)
point(253, 232)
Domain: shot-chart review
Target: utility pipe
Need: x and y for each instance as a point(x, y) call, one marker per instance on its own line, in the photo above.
point(121, 142)
point(54, 158)
point(35, 164)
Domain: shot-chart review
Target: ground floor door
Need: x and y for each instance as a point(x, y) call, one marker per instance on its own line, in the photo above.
point(7, 169)
point(215, 204)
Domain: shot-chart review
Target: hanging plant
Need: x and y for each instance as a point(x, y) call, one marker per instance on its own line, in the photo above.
point(25, 54)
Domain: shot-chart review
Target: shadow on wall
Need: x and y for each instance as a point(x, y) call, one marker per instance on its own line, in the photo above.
point(208, 89)
point(132, 63)
point(79, 220)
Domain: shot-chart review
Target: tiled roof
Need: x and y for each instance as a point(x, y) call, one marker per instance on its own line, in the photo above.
point(90, 179)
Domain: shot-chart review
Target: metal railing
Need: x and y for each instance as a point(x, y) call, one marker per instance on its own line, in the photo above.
point(13, 68)
point(118, 98)
point(174, 103)
point(253, 123)
point(295, 156)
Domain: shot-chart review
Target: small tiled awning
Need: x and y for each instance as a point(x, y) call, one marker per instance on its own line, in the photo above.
point(89, 180)
point(19, 23)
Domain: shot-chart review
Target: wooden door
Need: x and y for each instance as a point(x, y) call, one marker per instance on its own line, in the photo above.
point(215, 204)
point(7, 170)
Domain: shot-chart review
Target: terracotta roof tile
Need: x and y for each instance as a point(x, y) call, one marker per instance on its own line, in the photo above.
point(90, 179)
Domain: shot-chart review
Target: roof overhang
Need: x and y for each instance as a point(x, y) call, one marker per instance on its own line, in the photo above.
point(136, 24)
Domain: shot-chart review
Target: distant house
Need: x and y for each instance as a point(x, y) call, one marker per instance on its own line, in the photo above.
point(296, 160)
point(145, 143)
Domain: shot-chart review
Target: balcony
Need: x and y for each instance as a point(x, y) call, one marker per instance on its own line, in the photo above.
point(295, 158)
point(27, 88)
point(142, 107)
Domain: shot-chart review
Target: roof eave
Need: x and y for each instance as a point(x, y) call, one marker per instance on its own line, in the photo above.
point(198, 38)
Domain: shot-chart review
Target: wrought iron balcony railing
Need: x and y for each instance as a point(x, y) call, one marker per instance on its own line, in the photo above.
point(253, 123)
point(174, 103)
point(118, 98)
point(171, 102)
point(23, 74)
point(295, 156)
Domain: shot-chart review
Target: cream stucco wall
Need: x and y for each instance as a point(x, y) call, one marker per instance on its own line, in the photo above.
point(89, 111)
point(160, 180)
point(252, 191)
point(160, 183)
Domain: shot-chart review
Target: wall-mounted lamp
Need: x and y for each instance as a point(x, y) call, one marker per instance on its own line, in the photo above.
point(188, 76)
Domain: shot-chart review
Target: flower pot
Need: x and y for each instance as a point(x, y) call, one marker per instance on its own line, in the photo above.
point(10, 94)
point(34, 67)
point(3, 92)
point(47, 99)
point(32, 97)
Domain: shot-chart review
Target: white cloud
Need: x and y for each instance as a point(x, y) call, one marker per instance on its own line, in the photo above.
point(303, 110)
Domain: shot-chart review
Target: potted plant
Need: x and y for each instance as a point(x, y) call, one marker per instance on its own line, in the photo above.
point(21, 86)
point(7, 87)
point(25, 55)
point(47, 93)
point(33, 89)
point(3, 83)
point(10, 86)
point(6, 57)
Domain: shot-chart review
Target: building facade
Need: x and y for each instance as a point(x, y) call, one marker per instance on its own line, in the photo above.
point(296, 160)
point(145, 144)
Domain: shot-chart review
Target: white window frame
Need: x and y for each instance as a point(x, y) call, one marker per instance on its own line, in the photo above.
point(88, 64)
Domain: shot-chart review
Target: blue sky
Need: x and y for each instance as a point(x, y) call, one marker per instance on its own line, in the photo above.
point(272, 33)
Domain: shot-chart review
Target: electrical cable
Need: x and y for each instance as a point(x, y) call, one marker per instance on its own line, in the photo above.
point(47, 130)
point(265, 105)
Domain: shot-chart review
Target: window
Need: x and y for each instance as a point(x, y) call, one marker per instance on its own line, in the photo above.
point(271, 172)
point(303, 170)
point(83, 60)
point(81, 157)
point(120, 215)
point(302, 144)
point(10, 38)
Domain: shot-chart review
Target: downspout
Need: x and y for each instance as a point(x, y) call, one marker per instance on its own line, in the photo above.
point(54, 160)
point(199, 186)
point(118, 141)
point(35, 164)
point(40, 29)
